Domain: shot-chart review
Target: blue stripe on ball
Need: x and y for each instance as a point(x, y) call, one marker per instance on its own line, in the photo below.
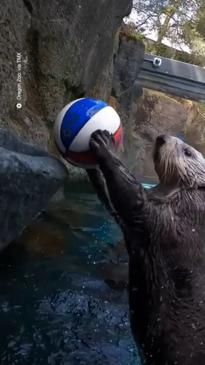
point(76, 117)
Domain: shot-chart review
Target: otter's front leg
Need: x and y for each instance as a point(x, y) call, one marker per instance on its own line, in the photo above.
point(99, 185)
point(126, 194)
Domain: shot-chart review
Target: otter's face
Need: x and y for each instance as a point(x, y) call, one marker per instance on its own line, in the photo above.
point(177, 163)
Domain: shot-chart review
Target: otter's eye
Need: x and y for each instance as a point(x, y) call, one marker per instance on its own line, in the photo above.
point(187, 152)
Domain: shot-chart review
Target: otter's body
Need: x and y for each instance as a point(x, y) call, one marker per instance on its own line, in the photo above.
point(167, 279)
point(164, 230)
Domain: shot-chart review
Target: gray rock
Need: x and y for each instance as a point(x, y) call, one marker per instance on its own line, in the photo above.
point(29, 177)
point(75, 44)
point(127, 67)
point(129, 59)
point(13, 143)
point(67, 50)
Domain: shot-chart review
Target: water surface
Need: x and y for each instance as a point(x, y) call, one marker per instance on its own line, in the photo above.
point(63, 297)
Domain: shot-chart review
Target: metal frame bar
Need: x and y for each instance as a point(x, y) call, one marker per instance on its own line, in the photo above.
point(174, 77)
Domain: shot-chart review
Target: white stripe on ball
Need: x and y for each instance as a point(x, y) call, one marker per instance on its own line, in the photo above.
point(107, 118)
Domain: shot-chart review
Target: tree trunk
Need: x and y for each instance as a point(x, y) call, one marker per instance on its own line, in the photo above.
point(164, 27)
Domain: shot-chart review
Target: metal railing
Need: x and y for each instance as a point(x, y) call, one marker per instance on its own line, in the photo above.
point(175, 77)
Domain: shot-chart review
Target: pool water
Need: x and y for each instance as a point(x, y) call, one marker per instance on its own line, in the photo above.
point(63, 297)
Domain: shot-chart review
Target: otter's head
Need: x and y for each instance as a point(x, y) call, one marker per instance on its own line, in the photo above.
point(177, 163)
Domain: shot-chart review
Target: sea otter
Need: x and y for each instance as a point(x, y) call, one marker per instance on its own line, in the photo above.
point(164, 230)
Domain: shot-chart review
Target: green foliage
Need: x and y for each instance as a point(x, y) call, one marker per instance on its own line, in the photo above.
point(194, 31)
point(129, 32)
point(170, 52)
point(182, 22)
point(200, 21)
point(161, 49)
point(201, 106)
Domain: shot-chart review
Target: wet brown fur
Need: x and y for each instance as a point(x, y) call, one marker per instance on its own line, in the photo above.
point(164, 230)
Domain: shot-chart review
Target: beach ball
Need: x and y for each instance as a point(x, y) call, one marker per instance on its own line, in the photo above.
point(77, 121)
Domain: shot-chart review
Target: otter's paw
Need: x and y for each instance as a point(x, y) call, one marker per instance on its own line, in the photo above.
point(102, 143)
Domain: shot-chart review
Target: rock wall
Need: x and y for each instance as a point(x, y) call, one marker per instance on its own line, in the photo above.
point(65, 50)
point(147, 113)
point(125, 88)
point(157, 113)
point(68, 49)
point(29, 177)
point(51, 53)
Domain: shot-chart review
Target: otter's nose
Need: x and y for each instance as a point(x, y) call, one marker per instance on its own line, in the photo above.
point(160, 140)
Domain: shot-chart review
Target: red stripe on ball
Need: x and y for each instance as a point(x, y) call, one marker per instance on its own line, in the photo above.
point(118, 136)
point(84, 158)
